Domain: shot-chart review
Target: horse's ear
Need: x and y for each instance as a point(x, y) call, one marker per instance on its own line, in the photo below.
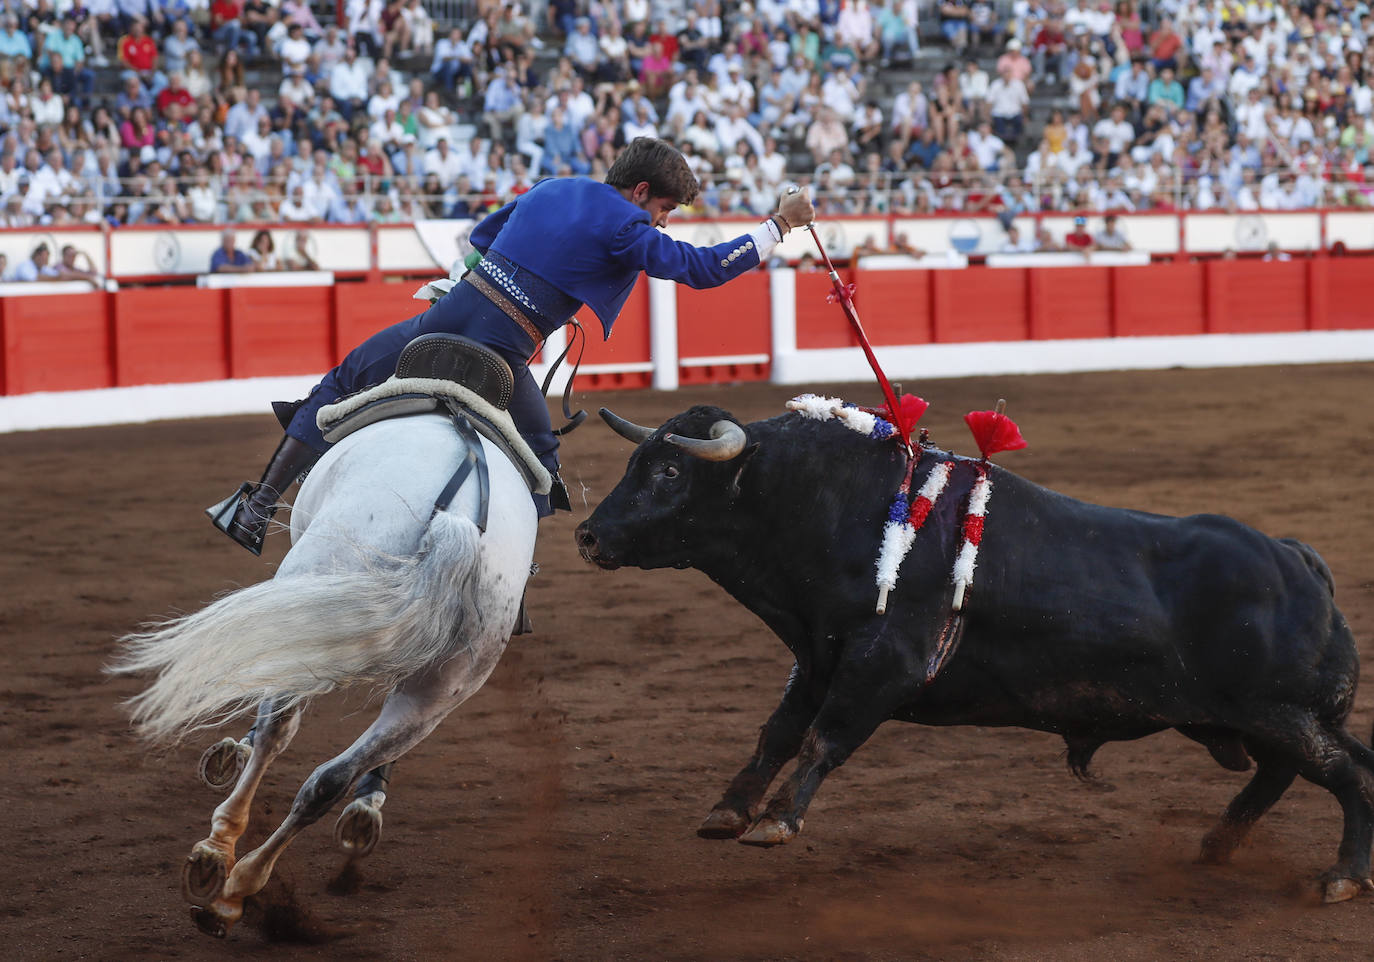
point(744, 460)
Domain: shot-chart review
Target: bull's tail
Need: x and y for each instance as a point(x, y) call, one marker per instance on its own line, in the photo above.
point(293, 638)
point(1314, 561)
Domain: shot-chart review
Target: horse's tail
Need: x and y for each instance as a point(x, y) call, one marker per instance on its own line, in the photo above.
point(296, 637)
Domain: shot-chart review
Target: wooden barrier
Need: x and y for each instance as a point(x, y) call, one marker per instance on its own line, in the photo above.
point(723, 332)
point(280, 330)
point(624, 361)
point(73, 341)
point(56, 343)
point(162, 339)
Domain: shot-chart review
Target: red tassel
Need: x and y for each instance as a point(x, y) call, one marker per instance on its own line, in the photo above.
point(920, 509)
point(833, 298)
point(973, 529)
point(994, 431)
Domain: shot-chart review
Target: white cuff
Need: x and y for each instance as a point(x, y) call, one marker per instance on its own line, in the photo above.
point(765, 239)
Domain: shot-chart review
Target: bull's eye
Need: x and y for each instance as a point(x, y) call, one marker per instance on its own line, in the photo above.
point(670, 471)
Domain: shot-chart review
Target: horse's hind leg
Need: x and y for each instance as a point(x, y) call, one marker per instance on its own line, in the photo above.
point(359, 827)
point(409, 714)
point(212, 859)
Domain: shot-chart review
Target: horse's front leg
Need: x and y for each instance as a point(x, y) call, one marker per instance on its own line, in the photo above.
point(212, 859)
point(779, 740)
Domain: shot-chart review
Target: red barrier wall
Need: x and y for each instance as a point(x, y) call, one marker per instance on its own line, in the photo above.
point(178, 334)
point(275, 331)
point(629, 345)
point(165, 340)
point(724, 321)
point(56, 343)
point(361, 310)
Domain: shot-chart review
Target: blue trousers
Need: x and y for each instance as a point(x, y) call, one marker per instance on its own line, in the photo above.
point(463, 310)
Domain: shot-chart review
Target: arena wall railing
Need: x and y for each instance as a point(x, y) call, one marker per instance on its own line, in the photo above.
point(926, 317)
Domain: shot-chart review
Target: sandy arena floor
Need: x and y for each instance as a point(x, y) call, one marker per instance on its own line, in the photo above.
point(553, 815)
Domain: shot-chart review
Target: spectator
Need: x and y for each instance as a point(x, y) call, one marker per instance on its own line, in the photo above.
point(263, 251)
point(1008, 103)
point(138, 53)
point(300, 257)
point(227, 28)
point(1110, 237)
point(348, 83)
point(228, 259)
point(176, 46)
point(1079, 239)
point(1167, 91)
point(37, 268)
point(70, 267)
point(973, 90)
point(954, 23)
point(582, 49)
point(1015, 243)
point(898, 28)
point(452, 61)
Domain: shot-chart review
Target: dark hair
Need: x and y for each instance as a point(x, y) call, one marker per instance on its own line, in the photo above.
point(660, 164)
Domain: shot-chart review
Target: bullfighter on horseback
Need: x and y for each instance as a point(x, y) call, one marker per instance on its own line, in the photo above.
point(564, 243)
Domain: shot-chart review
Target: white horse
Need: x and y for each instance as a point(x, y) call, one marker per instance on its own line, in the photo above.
point(374, 591)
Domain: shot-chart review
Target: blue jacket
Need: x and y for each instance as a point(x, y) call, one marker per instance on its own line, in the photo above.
point(588, 241)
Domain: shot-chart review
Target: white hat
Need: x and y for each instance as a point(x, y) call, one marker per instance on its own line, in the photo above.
point(1013, 44)
point(148, 154)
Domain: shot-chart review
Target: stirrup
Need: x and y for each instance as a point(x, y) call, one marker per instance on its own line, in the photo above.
point(222, 517)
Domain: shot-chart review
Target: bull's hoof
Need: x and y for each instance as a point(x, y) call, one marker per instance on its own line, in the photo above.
point(1345, 889)
point(203, 875)
point(358, 829)
point(724, 823)
point(222, 762)
point(1217, 846)
point(769, 831)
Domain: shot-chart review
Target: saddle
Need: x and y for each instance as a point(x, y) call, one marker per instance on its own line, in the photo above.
point(443, 372)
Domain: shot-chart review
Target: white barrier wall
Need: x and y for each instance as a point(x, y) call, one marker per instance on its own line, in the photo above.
point(435, 246)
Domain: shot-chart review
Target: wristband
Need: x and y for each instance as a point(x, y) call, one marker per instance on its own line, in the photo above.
point(774, 230)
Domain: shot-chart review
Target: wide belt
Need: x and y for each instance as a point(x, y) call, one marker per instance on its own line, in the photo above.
point(507, 307)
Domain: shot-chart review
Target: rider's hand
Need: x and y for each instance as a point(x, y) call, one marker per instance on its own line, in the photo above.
point(795, 208)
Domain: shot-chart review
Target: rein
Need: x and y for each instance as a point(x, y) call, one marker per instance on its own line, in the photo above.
point(573, 419)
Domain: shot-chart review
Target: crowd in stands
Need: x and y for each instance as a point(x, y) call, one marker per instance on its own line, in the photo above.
point(154, 111)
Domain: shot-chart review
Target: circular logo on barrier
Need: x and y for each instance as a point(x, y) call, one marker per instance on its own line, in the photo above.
point(1251, 233)
point(708, 235)
point(964, 236)
point(834, 239)
point(166, 252)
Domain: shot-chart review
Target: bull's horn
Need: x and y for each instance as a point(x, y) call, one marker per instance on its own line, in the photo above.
point(727, 441)
point(628, 430)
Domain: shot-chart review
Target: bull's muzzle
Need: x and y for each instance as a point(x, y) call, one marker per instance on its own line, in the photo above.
point(589, 549)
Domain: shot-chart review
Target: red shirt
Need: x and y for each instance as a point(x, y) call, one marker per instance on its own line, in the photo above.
point(140, 53)
point(170, 96)
point(1078, 238)
point(222, 11)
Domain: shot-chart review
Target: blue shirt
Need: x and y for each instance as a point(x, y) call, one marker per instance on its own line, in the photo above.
point(591, 243)
point(219, 259)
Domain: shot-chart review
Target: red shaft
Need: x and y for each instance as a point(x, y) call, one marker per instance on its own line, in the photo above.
point(848, 305)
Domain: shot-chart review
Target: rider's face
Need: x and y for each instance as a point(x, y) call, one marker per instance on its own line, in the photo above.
point(658, 208)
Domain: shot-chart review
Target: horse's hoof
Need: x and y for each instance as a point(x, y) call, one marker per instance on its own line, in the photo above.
point(1345, 889)
point(208, 922)
point(769, 831)
point(358, 829)
point(724, 823)
point(203, 875)
point(222, 762)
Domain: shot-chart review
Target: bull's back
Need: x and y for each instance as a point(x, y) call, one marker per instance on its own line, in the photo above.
point(1146, 620)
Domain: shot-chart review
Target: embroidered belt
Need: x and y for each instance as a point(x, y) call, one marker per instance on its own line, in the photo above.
point(507, 307)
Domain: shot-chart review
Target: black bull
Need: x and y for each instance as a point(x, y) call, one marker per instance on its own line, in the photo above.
point(1098, 624)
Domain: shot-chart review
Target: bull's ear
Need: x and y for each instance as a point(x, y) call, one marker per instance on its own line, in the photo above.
point(744, 459)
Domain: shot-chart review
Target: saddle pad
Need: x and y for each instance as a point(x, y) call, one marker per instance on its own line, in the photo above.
point(396, 397)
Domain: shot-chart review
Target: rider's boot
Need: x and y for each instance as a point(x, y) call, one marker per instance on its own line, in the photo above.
point(248, 526)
